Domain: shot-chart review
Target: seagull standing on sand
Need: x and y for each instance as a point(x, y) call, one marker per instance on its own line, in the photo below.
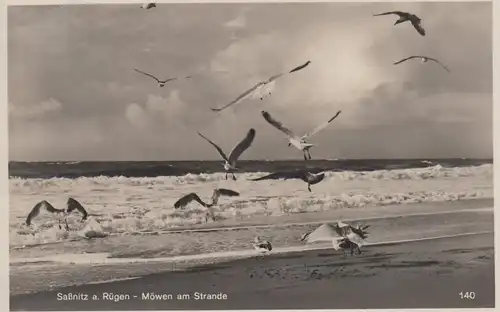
point(148, 6)
point(185, 200)
point(263, 246)
point(306, 176)
point(423, 59)
point(404, 16)
point(161, 83)
point(259, 85)
point(343, 236)
point(230, 162)
point(45, 205)
point(299, 142)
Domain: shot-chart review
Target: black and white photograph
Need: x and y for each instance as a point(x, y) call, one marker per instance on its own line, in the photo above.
point(250, 155)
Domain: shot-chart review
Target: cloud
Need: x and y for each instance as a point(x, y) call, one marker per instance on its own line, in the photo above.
point(239, 22)
point(37, 111)
point(388, 110)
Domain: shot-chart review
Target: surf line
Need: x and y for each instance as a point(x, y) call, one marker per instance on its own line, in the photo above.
point(284, 225)
point(237, 254)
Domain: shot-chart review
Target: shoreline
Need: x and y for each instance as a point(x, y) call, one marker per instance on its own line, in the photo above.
point(323, 279)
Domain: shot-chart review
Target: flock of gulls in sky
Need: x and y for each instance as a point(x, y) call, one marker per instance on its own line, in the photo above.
point(343, 236)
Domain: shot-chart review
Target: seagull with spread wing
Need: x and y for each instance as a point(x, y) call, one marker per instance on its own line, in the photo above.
point(186, 199)
point(404, 16)
point(148, 6)
point(299, 142)
point(161, 83)
point(45, 206)
point(343, 236)
point(423, 59)
point(230, 162)
point(309, 177)
point(259, 85)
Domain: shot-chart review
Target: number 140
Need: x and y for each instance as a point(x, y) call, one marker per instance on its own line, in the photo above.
point(467, 295)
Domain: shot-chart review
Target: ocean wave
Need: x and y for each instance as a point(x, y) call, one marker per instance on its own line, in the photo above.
point(433, 172)
point(130, 205)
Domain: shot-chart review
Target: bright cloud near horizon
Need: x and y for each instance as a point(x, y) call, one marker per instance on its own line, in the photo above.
point(74, 94)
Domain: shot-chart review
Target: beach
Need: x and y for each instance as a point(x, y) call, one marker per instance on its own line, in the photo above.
point(430, 238)
point(424, 274)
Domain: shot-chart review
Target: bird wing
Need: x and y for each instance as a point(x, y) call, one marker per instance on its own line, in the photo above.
point(226, 192)
point(273, 78)
point(407, 58)
point(360, 231)
point(73, 204)
point(239, 98)
point(442, 65)
point(47, 206)
point(300, 67)
point(391, 12)
point(290, 174)
point(353, 237)
point(315, 178)
point(322, 234)
point(221, 152)
point(34, 212)
point(278, 125)
point(242, 146)
point(147, 75)
point(185, 200)
point(418, 26)
point(320, 127)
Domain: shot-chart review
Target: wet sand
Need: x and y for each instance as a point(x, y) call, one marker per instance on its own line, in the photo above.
point(425, 274)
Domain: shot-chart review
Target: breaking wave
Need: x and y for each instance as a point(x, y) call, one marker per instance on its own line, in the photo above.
point(131, 205)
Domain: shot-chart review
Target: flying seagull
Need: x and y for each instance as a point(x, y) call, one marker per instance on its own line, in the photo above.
point(403, 17)
point(343, 236)
point(423, 59)
point(161, 83)
point(185, 200)
point(72, 205)
point(230, 162)
point(45, 205)
point(259, 85)
point(148, 6)
point(309, 177)
point(263, 246)
point(299, 142)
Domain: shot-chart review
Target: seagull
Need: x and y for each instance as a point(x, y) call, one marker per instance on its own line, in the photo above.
point(72, 205)
point(161, 83)
point(343, 236)
point(423, 59)
point(148, 6)
point(259, 85)
point(263, 246)
point(185, 200)
point(230, 162)
point(309, 177)
point(403, 17)
point(45, 205)
point(299, 142)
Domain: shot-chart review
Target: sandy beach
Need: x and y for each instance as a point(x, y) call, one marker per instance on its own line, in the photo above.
point(425, 274)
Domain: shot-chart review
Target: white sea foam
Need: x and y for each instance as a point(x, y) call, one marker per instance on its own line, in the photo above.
point(130, 205)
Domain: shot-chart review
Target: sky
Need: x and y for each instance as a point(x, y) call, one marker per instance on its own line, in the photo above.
point(74, 95)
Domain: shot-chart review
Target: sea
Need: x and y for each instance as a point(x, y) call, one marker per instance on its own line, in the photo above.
point(132, 214)
point(133, 219)
point(71, 170)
